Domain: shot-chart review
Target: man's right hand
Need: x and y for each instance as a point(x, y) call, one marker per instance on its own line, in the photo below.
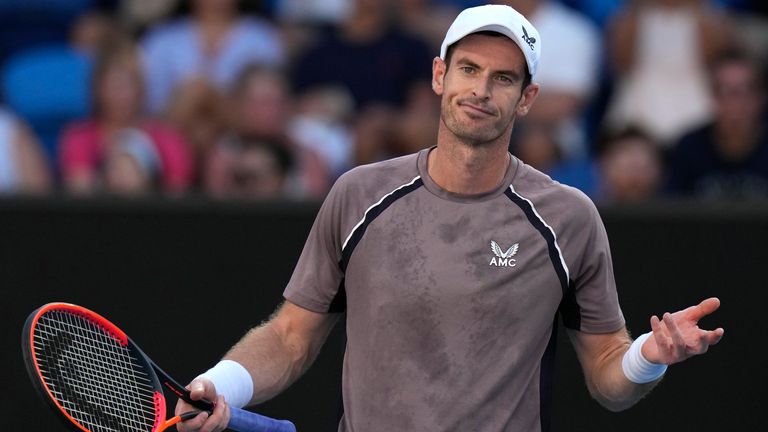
point(202, 388)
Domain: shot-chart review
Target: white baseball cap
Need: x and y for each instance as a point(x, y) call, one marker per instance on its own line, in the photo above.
point(501, 19)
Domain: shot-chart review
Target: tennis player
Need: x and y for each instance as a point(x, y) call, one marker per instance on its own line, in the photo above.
point(452, 265)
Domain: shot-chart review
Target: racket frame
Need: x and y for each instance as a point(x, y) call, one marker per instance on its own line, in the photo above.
point(158, 376)
point(240, 420)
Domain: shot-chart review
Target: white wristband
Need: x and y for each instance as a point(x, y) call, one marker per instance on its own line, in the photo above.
point(232, 381)
point(636, 367)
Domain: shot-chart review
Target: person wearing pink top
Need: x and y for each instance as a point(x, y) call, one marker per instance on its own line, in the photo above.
point(118, 149)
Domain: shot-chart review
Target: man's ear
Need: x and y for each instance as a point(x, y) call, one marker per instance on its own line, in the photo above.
point(527, 99)
point(438, 75)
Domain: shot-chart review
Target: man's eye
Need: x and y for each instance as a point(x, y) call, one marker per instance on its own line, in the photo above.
point(467, 69)
point(504, 79)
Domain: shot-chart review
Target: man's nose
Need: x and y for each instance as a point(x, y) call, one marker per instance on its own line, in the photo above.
point(482, 88)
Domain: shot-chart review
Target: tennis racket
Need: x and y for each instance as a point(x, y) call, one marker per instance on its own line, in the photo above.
point(98, 380)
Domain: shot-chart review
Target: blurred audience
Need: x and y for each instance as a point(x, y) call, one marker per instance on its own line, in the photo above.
point(92, 30)
point(131, 164)
point(321, 125)
point(203, 104)
point(427, 19)
point(659, 51)
point(253, 168)
point(366, 48)
point(26, 24)
point(599, 11)
point(630, 168)
point(23, 166)
point(752, 29)
point(214, 42)
point(48, 104)
point(118, 129)
point(728, 157)
point(536, 144)
point(199, 111)
point(568, 71)
point(386, 71)
point(139, 15)
point(261, 110)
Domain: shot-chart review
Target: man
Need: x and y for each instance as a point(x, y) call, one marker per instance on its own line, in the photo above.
point(728, 157)
point(451, 265)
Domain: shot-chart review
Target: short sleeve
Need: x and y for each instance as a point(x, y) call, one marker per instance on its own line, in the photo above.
point(592, 280)
point(316, 283)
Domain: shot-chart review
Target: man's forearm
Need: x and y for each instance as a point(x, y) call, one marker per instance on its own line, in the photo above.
point(610, 386)
point(277, 352)
point(271, 362)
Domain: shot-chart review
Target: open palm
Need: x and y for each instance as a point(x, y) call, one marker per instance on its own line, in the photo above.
point(677, 336)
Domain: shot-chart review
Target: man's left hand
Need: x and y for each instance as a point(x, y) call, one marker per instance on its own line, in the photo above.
point(677, 336)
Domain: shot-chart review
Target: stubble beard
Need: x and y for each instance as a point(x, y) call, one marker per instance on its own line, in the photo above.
point(473, 135)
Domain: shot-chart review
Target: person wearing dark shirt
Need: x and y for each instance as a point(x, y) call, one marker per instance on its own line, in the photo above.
point(384, 70)
point(727, 158)
point(374, 60)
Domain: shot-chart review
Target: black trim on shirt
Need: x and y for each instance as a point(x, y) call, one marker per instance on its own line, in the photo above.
point(339, 303)
point(546, 380)
point(569, 309)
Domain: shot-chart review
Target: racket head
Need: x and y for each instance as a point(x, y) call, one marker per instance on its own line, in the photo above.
point(90, 372)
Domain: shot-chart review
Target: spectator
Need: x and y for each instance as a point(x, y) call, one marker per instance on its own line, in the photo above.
point(427, 19)
point(261, 108)
point(728, 157)
point(131, 164)
point(92, 30)
point(198, 111)
point(377, 63)
point(23, 167)
point(536, 144)
point(117, 89)
point(630, 168)
point(321, 125)
point(659, 51)
point(568, 71)
point(214, 43)
point(253, 169)
point(366, 49)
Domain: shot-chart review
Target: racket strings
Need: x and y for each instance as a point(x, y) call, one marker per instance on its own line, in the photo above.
point(97, 380)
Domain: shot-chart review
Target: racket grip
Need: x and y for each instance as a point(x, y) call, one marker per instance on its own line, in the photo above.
point(246, 421)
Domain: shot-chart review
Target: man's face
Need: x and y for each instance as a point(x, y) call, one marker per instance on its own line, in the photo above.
point(481, 88)
point(737, 93)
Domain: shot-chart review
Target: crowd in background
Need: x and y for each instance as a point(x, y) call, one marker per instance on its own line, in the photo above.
point(640, 99)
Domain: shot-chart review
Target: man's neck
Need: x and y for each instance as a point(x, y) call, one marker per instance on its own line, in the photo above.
point(464, 169)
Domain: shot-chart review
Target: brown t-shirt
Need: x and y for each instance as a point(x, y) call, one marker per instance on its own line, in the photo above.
point(451, 300)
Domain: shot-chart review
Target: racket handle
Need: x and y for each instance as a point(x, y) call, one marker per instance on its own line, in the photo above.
point(246, 421)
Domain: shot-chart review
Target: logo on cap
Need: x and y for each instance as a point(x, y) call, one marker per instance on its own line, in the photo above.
point(529, 40)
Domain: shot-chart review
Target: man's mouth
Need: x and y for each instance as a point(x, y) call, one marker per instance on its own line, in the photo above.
point(479, 109)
